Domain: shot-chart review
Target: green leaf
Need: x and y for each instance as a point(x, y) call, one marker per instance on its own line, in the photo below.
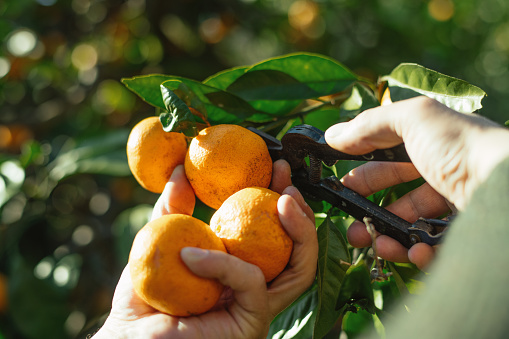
point(323, 118)
point(356, 289)
point(291, 77)
point(179, 117)
point(357, 324)
point(410, 80)
point(379, 326)
point(225, 78)
point(407, 278)
point(147, 87)
point(297, 319)
point(272, 108)
point(217, 106)
point(333, 261)
point(360, 100)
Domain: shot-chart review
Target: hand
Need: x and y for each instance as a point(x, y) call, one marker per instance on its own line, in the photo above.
point(248, 304)
point(453, 152)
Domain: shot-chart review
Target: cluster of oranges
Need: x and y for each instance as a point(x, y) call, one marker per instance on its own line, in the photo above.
point(229, 169)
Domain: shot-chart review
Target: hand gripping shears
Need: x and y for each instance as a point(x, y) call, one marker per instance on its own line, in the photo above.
point(305, 141)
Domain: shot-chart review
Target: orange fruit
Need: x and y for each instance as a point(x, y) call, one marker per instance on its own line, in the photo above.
point(224, 159)
point(386, 98)
point(153, 154)
point(249, 226)
point(158, 273)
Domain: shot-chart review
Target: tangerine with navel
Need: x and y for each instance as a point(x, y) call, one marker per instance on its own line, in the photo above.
point(249, 226)
point(158, 273)
point(223, 159)
point(153, 154)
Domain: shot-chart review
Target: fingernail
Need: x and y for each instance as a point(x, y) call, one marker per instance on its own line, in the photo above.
point(193, 254)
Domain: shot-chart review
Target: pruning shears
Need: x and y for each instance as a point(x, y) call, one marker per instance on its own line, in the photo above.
point(305, 141)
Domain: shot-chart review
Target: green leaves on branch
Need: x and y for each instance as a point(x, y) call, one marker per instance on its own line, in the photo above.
point(279, 89)
point(258, 93)
point(410, 80)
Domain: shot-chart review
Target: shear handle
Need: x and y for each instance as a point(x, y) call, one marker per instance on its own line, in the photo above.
point(331, 190)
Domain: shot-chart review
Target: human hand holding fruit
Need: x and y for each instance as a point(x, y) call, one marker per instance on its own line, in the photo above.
point(247, 304)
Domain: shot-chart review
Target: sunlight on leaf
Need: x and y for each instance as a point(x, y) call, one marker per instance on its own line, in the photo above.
point(410, 80)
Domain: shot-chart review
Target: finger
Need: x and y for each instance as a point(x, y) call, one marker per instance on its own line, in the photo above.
point(391, 250)
point(177, 197)
point(423, 202)
point(301, 269)
point(281, 176)
point(421, 255)
point(373, 177)
point(357, 235)
point(246, 280)
point(295, 194)
point(370, 130)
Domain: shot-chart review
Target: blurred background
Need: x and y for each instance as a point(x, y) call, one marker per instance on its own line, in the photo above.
point(69, 207)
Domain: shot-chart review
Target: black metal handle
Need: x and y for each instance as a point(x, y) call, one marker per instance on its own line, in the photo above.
point(331, 190)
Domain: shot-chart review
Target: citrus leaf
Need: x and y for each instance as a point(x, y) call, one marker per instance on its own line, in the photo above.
point(179, 117)
point(409, 80)
point(333, 261)
point(217, 106)
point(356, 324)
point(147, 87)
point(407, 278)
point(360, 100)
point(291, 77)
point(356, 289)
point(225, 78)
point(297, 319)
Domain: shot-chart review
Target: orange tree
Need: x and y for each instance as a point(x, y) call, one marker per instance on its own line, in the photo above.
point(281, 92)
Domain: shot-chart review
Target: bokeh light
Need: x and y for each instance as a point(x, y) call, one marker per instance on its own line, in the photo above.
point(441, 10)
point(84, 57)
point(5, 66)
point(21, 42)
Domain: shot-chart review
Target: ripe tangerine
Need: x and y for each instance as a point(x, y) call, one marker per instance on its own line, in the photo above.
point(158, 273)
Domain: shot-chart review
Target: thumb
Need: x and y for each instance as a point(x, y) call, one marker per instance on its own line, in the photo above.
point(369, 130)
point(246, 280)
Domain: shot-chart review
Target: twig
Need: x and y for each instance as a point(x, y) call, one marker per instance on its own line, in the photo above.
point(377, 273)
